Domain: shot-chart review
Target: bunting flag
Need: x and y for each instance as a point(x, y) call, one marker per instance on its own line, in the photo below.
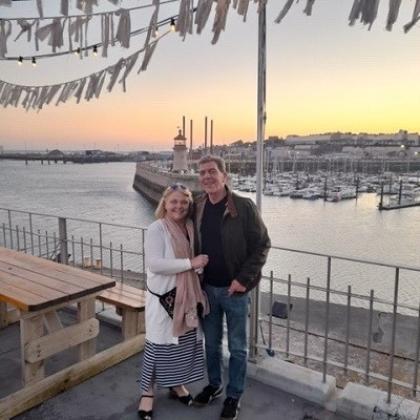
point(365, 11)
point(87, 88)
point(76, 27)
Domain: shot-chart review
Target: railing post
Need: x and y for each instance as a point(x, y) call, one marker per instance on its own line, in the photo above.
point(17, 238)
point(143, 255)
point(4, 235)
point(122, 263)
point(91, 253)
point(369, 337)
point(47, 245)
point(348, 318)
point(73, 250)
point(327, 321)
point(100, 246)
point(9, 216)
point(305, 344)
point(24, 239)
point(253, 323)
point(31, 234)
point(110, 260)
point(416, 361)
point(394, 327)
point(62, 234)
point(270, 325)
point(289, 292)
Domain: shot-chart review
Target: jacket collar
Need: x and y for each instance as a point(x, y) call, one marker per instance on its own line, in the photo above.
point(230, 203)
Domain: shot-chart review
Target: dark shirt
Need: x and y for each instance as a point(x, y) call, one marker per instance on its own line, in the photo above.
point(215, 272)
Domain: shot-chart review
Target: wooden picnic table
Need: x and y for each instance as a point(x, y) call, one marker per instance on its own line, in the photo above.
point(38, 288)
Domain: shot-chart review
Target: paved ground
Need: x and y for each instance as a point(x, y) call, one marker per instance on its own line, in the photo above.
point(113, 395)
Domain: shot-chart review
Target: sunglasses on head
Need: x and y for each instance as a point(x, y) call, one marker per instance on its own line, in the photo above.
point(178, 187)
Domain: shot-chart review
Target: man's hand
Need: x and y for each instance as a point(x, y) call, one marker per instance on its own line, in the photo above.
point(236, 287)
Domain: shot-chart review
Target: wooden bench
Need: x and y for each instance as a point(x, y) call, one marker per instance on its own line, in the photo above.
point(129, 303)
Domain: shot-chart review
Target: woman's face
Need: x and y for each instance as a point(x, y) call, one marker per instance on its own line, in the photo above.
point(177, 206)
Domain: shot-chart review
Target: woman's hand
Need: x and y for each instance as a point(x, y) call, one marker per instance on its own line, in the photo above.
point(200, 261)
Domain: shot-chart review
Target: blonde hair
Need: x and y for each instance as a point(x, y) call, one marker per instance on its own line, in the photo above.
point(160, 211)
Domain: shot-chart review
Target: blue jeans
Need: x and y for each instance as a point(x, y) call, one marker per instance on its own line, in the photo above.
point(235, 308)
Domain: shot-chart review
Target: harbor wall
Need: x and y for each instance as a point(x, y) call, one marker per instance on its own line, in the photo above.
point(150, 181)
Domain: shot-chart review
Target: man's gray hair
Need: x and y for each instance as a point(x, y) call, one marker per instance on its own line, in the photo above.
point(220, 162)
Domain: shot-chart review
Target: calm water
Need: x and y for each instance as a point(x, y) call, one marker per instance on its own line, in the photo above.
point(104, 192)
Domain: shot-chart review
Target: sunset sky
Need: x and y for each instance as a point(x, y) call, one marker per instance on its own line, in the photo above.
point(322, 76)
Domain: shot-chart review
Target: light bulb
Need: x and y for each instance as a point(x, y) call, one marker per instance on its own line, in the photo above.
point(34, 61)
point(95, 50)
point(20, 60)
point(172, 24)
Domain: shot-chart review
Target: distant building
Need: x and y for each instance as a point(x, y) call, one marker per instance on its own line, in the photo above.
point(55, 154)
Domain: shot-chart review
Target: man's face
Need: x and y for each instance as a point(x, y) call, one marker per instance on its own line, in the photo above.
point(212, 180)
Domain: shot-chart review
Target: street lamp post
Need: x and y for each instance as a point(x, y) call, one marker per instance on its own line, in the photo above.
point(261, 119)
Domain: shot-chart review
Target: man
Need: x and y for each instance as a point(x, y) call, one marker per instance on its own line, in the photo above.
point(231, 232)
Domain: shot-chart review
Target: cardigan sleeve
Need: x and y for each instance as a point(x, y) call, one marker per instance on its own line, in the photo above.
point(156, 261)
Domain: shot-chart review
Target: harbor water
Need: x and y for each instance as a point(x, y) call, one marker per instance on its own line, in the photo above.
point(350, 228)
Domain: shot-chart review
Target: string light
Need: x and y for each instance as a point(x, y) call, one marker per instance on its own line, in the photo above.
point(173, 24)
point(77, 51)
point(20, 60)
point(95, 50)
point(34, 61)
point(156, 32)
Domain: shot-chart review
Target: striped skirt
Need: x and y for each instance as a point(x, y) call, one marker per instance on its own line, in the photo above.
point(173, 364)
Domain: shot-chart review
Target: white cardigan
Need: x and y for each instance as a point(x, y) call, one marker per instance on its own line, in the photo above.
point(162, 267)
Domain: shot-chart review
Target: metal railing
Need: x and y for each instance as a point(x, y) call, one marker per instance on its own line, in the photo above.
point(319, 309)
point(351, 333)
point(112, 249)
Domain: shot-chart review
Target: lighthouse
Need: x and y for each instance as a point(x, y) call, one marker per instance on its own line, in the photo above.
point(180, 163)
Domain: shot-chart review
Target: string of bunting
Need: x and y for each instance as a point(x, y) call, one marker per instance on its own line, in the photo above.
point(88, 87)
point(364, 11)
point(77, 29)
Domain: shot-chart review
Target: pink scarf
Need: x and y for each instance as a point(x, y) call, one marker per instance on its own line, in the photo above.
point(188, 288)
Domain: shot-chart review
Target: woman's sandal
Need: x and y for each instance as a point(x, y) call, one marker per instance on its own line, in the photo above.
point(143, 414)
point(185, 399)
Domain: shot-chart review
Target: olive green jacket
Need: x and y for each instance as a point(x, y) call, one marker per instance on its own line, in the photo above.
point(244, 237)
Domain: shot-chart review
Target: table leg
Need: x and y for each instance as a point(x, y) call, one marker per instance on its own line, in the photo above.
point(85, 311)
point(30, 329)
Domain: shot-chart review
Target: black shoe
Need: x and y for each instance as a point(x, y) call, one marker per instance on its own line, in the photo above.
point(207, 395)
point(185, 399)
point(145, 415)
point(230, 409)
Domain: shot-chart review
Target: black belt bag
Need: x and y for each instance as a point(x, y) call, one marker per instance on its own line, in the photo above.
point(167, 300)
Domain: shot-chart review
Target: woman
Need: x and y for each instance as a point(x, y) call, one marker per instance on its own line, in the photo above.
point(173, 354)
